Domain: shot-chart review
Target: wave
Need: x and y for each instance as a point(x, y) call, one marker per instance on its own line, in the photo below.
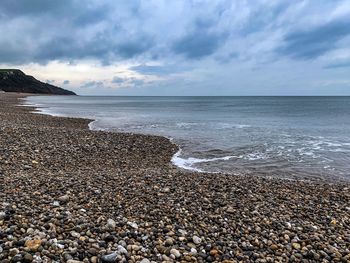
point(94, 127)
point(187, 163)
point(186, 124)
point(224, 126)
point(213, 125)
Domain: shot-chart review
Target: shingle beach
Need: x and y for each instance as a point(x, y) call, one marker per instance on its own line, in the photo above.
point(68, 194)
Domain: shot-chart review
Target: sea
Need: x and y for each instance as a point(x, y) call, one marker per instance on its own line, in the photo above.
point(291, 137)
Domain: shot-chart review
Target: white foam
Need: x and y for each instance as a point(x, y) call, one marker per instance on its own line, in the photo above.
point(255, 156)
point(186, 124)
point(224, 126)
point(93, 126)
point(189, 162)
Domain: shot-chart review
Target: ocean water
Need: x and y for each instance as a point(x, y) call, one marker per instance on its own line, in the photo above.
point(280, 136)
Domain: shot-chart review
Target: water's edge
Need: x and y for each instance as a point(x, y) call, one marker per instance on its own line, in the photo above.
point(177, 161)
point(180, 159)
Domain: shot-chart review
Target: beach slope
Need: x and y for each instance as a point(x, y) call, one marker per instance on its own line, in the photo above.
point(68, 193)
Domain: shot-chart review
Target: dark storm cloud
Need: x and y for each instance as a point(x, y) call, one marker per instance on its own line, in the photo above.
point(314, 42)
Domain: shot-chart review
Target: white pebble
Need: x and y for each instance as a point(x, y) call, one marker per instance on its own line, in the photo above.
point(196, 240)
point(111, 224)
point(175, 252)
point(133, 225)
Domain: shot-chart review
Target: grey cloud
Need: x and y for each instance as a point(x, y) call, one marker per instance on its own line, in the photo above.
point(92, 84)
point(66, 82)
point(335, 65)
point(137, 82)
point(129, 82)
point(132, 48)
point(159, 70)
point(12, 55)
point(110, 31)
point(118, 80)
point(198, 44)
point(102, 47)
point(91, 16)
point(105, 30)
point(72, 38)
point(314, 42)
point(33, 7)
point(202, 40)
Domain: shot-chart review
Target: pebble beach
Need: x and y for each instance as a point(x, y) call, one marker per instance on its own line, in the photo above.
point(68, 194)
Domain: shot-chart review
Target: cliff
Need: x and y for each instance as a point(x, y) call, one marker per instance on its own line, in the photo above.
point(14, 80)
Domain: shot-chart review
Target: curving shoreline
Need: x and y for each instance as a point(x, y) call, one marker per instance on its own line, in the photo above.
point(74, 194)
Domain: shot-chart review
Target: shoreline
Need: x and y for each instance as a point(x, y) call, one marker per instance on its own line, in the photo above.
point(70, 194)
point(186, 164)
point(39, 110)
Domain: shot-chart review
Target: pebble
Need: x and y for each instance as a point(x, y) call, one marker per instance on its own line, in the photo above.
point(111, 224)
point(122, 250)
point(63, 199)
point(193, 251)
point(169, 241)
point(33, 245)
point(175, 252)
point(196, 240)
point(17, 258)
point(230, 209)
point(133, 225)
point(296, 246)
point(110, 258)
point(27, 258)
point(2, 215)
point(75, 234)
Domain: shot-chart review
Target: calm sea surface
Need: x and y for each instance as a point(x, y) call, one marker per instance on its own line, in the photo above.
point(299, 136)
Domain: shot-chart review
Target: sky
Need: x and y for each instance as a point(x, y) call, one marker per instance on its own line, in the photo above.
point(180, 47)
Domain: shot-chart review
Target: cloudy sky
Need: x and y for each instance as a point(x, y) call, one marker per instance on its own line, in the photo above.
point(181, 47)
